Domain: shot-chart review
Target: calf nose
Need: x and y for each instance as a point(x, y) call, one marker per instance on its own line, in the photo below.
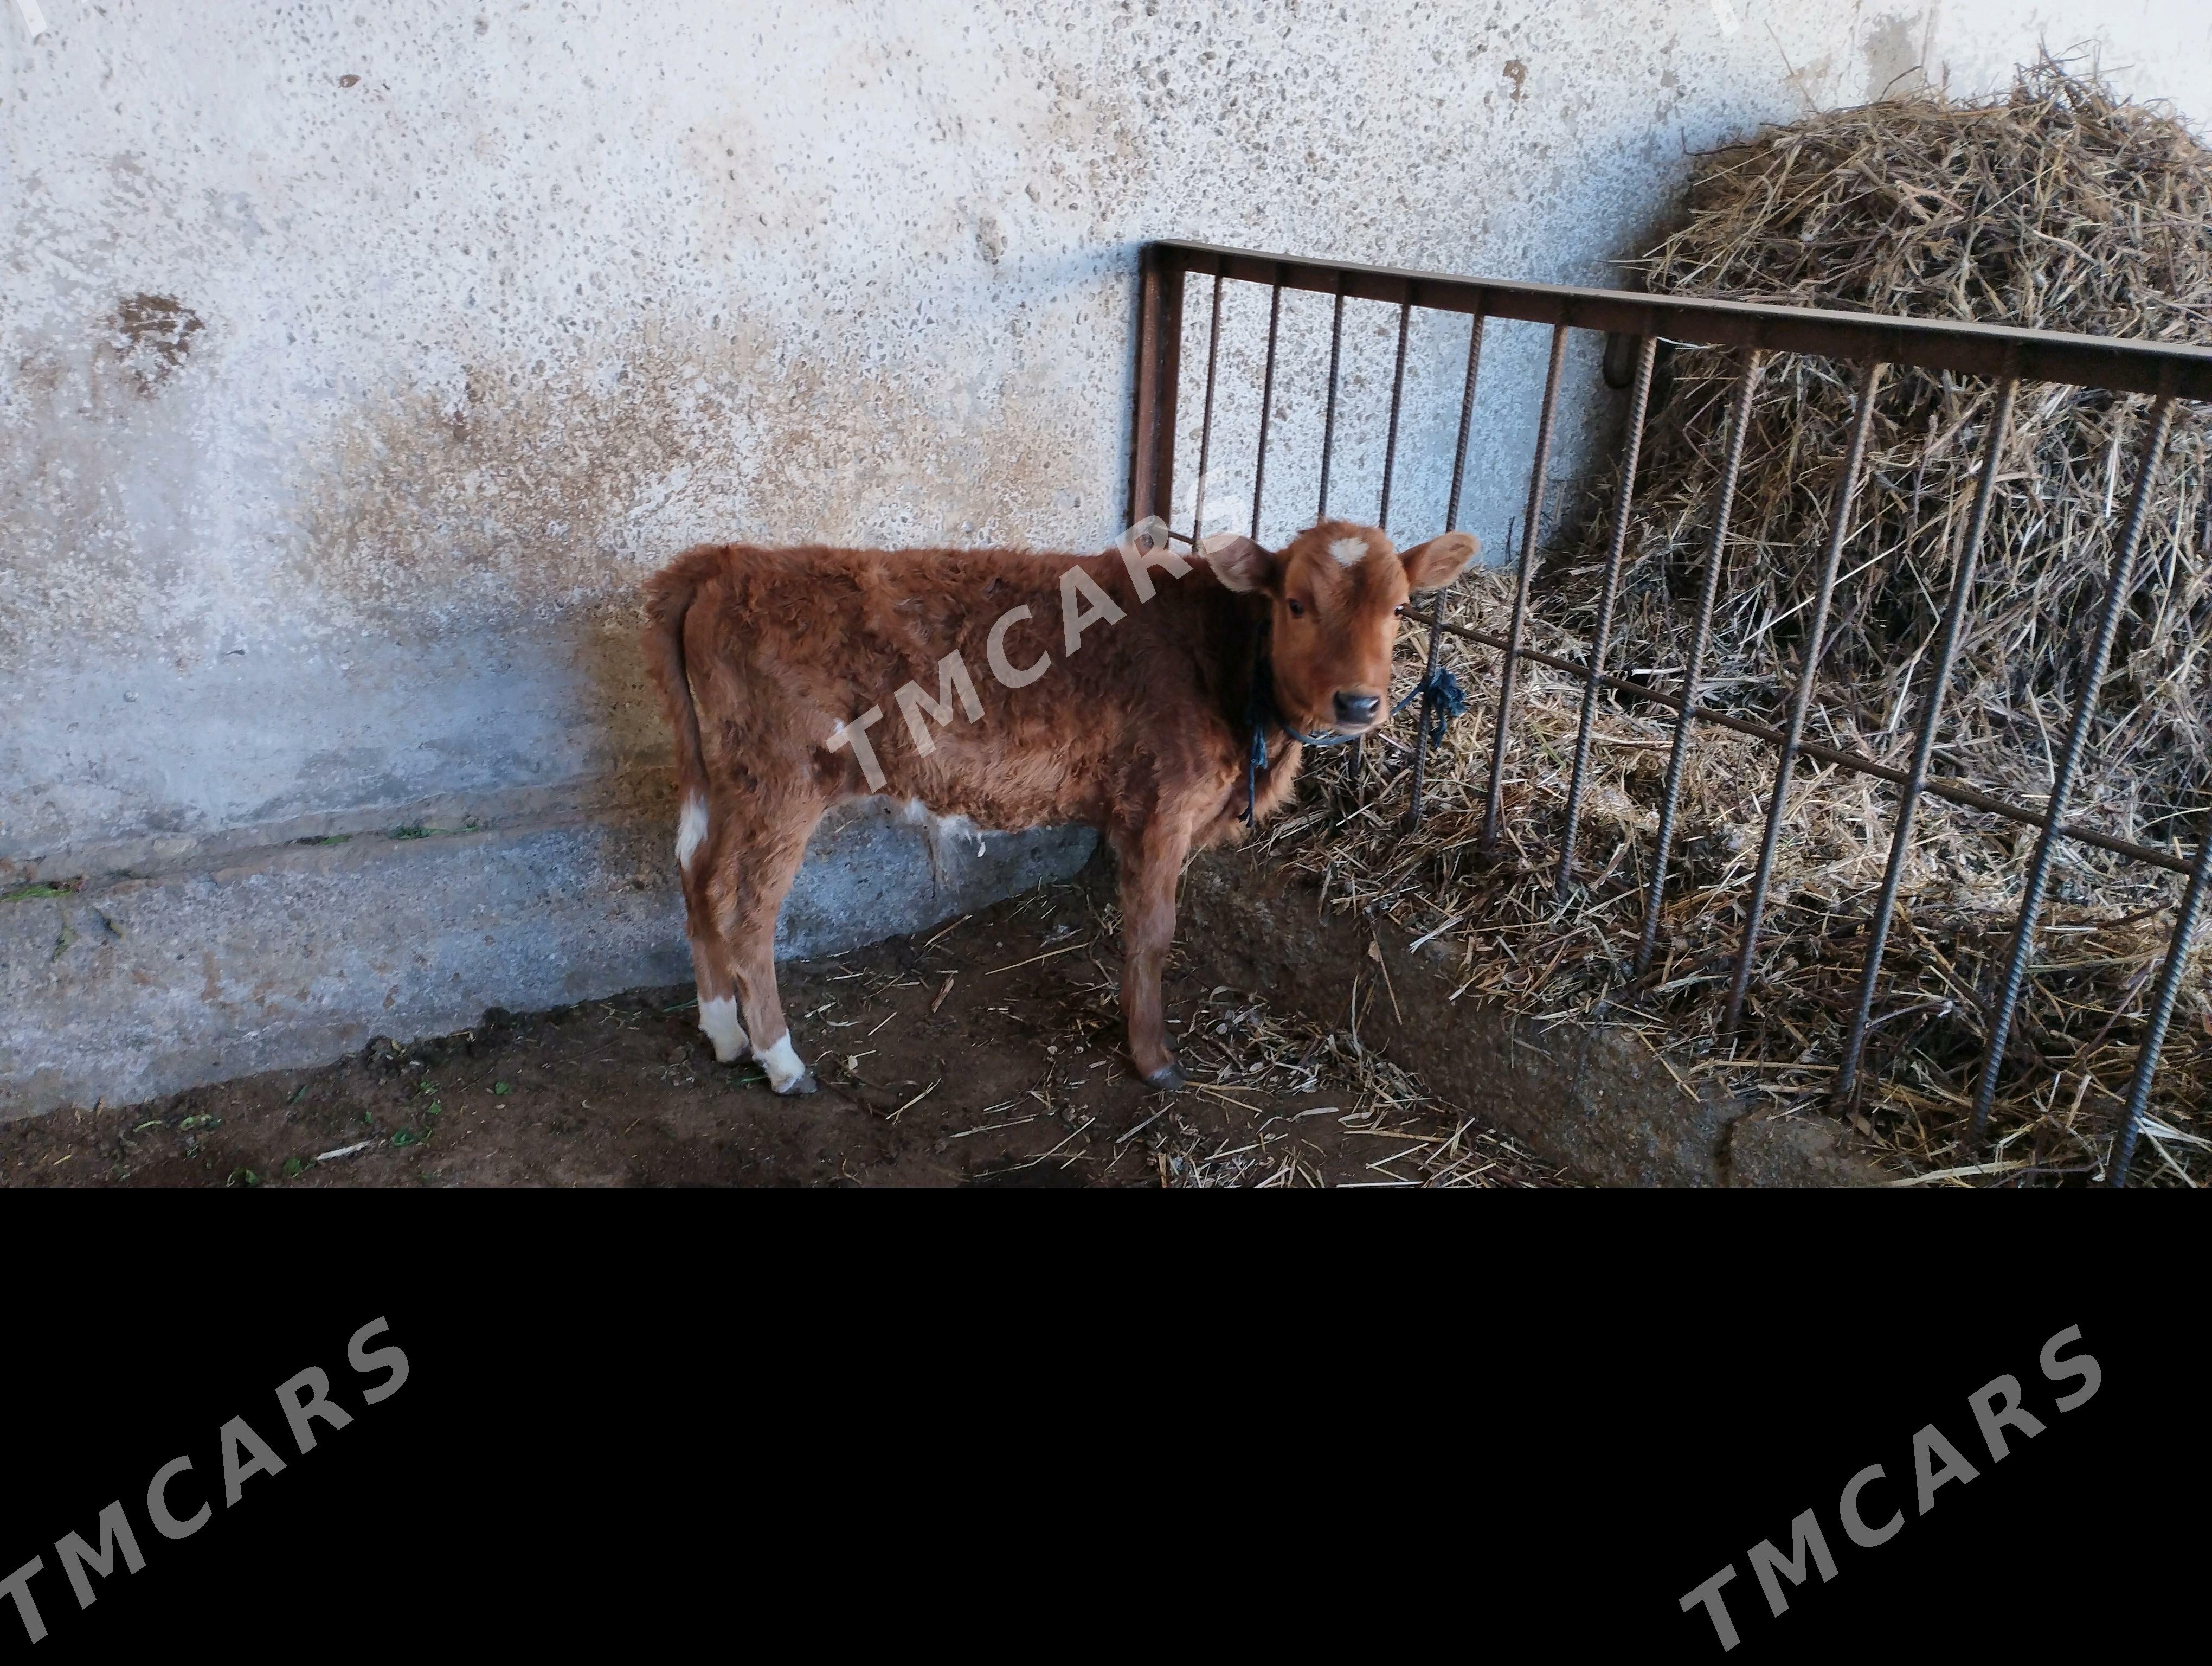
point(1357, 707)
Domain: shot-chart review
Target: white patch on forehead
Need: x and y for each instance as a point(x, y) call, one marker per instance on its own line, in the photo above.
point(690, 830)
point(1348, 551)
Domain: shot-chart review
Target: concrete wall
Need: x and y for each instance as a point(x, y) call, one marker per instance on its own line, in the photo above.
point(356, 362)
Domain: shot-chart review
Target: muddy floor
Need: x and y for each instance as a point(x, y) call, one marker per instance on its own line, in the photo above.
point(988, 1051)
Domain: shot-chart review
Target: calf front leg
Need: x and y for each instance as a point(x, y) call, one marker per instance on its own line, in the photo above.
point(1152, 861)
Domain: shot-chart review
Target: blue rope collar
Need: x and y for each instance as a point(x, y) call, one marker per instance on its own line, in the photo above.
point(1443, 699)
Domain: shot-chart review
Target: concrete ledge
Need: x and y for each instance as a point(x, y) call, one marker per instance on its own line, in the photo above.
point(1593, 1098)
point(294, 954)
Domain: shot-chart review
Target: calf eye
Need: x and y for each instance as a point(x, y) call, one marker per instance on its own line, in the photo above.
point(1399, 612)
point(1298, 610)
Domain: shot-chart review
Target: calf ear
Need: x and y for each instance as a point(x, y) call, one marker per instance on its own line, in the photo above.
point(1238, 563)
point(1435, 564)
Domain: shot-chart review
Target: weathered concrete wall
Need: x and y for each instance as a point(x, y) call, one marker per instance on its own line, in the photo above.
point(293, 954)
point(356, 362)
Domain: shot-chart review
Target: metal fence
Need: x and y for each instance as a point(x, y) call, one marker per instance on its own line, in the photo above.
point(1640, 323)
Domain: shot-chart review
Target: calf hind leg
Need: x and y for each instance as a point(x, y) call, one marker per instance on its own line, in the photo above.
point(718, 1002)
point(710, 957)
point(746, 891)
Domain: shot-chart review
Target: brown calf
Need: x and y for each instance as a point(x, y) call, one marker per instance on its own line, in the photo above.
point(1015, 690)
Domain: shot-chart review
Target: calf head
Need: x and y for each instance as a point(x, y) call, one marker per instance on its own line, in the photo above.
point(1337, 591)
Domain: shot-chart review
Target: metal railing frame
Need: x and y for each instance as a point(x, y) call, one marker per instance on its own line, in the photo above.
point(2167, 371)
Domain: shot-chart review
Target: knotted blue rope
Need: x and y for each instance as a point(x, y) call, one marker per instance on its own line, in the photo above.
point(1449, 701)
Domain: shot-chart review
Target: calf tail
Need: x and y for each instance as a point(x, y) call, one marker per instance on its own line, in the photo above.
point(668, 597)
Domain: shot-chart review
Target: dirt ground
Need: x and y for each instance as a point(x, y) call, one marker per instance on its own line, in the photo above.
point(988, 1051)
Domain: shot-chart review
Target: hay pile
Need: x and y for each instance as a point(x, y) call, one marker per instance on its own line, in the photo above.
point(2059, 206)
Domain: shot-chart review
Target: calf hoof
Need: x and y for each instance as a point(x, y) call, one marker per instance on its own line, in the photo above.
point(786, 1071)
point(1167, 1078)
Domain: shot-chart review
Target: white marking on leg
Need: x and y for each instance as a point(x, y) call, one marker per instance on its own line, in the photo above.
point(718, 1019)
point(1349, 552)
point(690, 830)
point(784, 1068)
